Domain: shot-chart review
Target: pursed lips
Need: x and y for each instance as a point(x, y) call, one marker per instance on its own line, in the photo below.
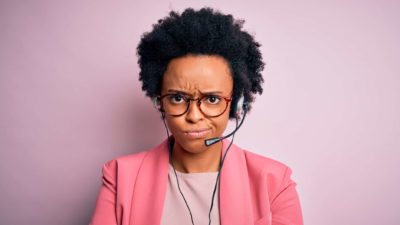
point(197, 133)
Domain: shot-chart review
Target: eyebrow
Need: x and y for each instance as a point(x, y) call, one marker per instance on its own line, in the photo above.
point(201, 92)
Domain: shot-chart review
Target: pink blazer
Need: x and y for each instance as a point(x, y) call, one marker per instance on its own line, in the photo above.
point(253, 190)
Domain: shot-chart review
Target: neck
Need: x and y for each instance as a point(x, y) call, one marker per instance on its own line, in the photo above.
point(205, 161)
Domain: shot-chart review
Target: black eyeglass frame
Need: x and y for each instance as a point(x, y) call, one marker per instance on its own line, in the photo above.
point(189, 100)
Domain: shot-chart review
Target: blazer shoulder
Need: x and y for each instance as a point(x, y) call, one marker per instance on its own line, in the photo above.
point(275, 174)
point(127, 166)
point(264, 164)
point(125, 161)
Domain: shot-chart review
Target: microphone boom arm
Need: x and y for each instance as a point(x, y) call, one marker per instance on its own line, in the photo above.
point(212, 141)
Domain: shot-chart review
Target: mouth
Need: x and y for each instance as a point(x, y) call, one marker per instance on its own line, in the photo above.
point(196, 134)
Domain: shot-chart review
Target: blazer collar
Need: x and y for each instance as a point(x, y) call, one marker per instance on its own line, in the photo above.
point(152, 178)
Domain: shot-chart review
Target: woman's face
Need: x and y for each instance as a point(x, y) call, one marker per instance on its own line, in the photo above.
point(197, 76)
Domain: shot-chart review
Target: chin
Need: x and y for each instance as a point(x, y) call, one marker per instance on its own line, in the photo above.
point(193, 146)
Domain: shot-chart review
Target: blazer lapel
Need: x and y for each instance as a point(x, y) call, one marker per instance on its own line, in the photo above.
point(150, 187)
point(235, 200)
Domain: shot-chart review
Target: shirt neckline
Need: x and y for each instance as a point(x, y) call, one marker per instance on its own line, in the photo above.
point(197, 174)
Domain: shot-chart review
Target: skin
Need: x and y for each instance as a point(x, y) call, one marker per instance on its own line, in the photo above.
point(195, 75)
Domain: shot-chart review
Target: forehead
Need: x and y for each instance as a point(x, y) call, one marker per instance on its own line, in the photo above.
point(200, 73)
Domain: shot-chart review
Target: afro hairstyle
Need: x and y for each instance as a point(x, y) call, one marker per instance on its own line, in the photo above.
point(202, 32)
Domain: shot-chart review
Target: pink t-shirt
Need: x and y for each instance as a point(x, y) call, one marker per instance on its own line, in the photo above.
point(197, 189)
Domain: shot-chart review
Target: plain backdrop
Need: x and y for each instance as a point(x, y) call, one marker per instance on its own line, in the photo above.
point(71, 100)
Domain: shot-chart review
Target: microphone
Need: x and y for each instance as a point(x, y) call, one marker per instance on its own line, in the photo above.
point(212, 141)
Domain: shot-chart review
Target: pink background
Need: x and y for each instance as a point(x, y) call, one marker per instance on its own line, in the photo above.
point(71, 100)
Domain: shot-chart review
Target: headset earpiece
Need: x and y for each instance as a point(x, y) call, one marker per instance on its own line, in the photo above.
point(241, 107)
point(156, 103)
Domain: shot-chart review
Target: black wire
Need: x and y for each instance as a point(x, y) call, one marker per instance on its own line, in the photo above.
point(218, 176)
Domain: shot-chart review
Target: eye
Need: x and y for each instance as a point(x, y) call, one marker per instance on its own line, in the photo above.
point(212, 99)
point(177, 99)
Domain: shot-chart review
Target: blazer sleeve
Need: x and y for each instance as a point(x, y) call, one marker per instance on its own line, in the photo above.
point(285, 206)
point(105, 210)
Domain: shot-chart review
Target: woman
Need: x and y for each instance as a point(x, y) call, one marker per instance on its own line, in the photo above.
point(201, 69)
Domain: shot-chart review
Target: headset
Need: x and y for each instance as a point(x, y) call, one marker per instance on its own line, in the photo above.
point(241, 108)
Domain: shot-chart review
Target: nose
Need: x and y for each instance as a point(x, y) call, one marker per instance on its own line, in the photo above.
point(194, 114)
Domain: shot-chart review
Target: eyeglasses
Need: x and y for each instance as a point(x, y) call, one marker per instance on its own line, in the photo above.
point(178, 104)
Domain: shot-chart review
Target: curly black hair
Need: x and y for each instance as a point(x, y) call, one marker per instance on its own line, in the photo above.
point(202, 32)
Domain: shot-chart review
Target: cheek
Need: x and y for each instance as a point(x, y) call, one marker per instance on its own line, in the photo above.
point(221, 124)
point(176, 125)
point(173, 124)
